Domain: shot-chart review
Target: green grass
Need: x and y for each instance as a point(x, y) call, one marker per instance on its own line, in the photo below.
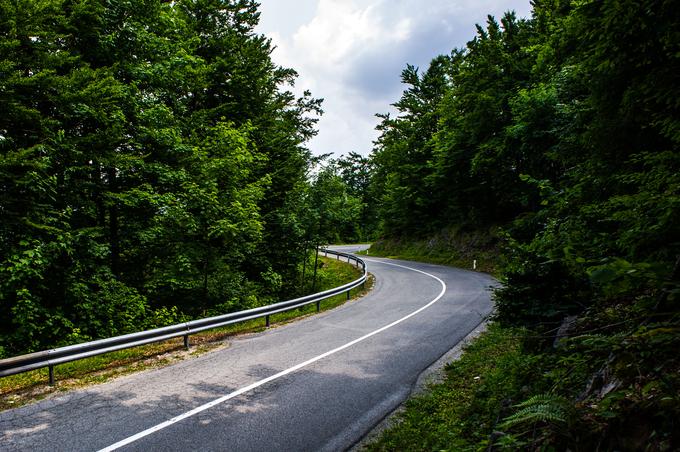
point(18, 390)
point(452, 248)
point(461, 413)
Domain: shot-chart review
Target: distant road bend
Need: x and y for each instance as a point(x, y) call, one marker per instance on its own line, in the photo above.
point(320, 383)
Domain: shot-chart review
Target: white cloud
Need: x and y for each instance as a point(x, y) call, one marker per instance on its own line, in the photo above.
point(351, 53)
point(341, 30)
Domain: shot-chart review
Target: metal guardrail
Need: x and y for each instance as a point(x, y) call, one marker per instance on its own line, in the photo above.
point(56, 356)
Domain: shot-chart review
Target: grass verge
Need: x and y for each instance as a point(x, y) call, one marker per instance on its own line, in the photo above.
point(21, 389)
point(461, 413)
point(448, 247)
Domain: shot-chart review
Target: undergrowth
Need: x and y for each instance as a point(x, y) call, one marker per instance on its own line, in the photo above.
point(607, 380)
point(448, 247)
point(461, 412)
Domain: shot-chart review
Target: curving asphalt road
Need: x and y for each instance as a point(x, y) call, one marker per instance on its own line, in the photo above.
point(320, 383)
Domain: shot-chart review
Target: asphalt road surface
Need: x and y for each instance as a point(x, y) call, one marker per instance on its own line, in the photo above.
point(320, 383)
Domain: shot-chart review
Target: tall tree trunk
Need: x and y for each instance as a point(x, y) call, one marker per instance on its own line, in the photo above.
point(316, 261)
point(56, 294)
point(98, 195)
point(114, 239)
point(304, 269)
point(206, 264)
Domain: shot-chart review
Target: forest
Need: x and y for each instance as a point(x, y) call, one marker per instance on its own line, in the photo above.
point(154, 168)
point(555, 141)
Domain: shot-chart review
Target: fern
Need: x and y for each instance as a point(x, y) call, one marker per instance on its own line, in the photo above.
point(540, 408)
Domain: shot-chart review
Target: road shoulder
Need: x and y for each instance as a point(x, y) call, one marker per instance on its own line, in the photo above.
point(434, 374)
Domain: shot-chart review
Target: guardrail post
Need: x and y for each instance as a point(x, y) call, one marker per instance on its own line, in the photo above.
point(318, 306)
point(51, 372)
point(348, 294)
point(186, 342)
point(267, 321)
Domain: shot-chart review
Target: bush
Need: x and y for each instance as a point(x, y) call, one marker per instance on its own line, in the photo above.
point(540, 293)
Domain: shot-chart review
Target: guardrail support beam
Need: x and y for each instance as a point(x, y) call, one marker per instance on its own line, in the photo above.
point(186, 342)
point(318, 306)
point(266, 319)
point(51, 372)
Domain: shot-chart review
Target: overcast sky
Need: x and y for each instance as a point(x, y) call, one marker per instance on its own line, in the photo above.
point(351, 53)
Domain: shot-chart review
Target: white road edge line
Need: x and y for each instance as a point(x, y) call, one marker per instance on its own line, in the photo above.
point(257, 384)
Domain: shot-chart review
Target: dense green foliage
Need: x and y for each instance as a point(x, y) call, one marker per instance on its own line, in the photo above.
point(563, 131)
point(148, 151)
point(340, 192)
